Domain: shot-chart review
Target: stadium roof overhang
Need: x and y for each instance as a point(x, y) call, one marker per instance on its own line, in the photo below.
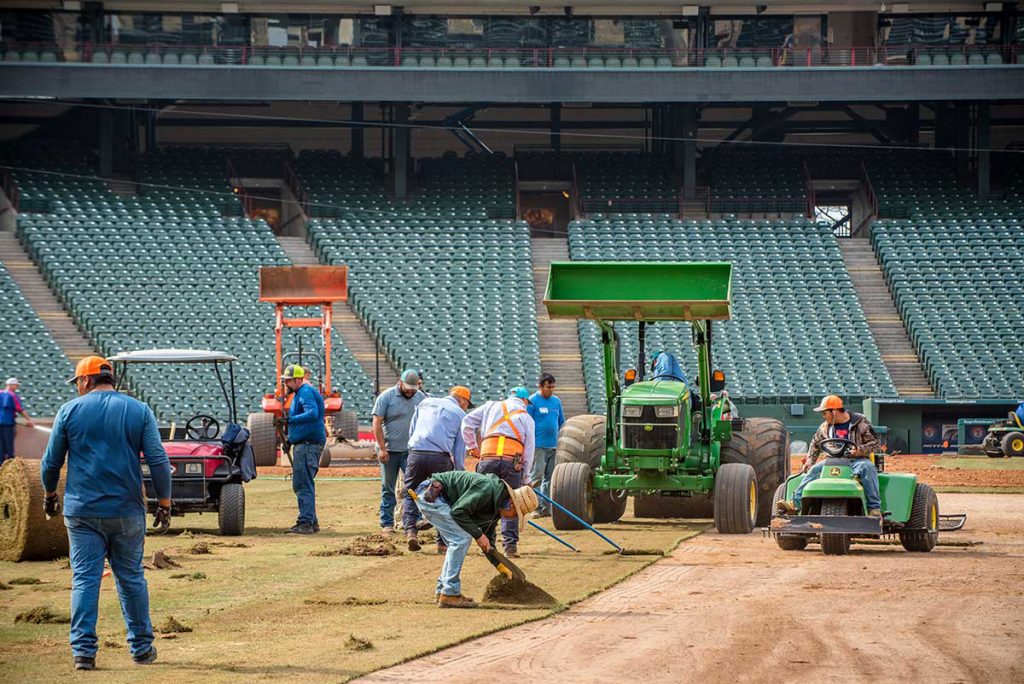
point(396, 84)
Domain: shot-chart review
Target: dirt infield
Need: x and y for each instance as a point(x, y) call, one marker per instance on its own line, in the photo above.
point(953, 471)
point(737, 608)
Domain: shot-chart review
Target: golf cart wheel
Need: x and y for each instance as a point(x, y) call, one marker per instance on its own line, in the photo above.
point(921, 532)
point(325, 457)
point(348, 425)
point(263, 437)
point(582, 440)
point(571, 486)
point(735, 498)
point(787, 542)
point(654, 506)
point(231, 511)
point(764, 444)
point(834, 544)
point(1013, 444)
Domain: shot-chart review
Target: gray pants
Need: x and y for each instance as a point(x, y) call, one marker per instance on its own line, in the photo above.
point(513, 478)
point(420, 466)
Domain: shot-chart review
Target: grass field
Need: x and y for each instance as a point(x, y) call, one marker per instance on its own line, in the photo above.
point(981, 463)
point(271, 610)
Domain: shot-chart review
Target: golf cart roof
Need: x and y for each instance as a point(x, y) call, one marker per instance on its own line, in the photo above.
point(172, 356)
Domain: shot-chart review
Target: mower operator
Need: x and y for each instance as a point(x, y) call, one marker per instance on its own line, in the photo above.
point(100, 435)
point(435, 446)
point(505, 447)
point(842, 424)
point(464, 506)
point(307, 436)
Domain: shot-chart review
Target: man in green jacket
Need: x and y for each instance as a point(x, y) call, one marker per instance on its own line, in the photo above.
point(462, 506)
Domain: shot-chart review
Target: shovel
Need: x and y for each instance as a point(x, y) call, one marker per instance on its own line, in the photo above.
point(504, 565)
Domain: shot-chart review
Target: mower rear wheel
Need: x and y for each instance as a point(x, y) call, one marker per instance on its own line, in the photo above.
point(736, 496)
point(764, 444)
point(325, 457)
point(582, 440)
point(787, 542)
point(1013, 444)
point(921, 532)
point(231, 511)
point(348, 425)
point(263, 437)
point(835, 544)
point(571, 487)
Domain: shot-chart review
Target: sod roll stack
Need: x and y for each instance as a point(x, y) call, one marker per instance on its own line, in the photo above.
point(25, 533)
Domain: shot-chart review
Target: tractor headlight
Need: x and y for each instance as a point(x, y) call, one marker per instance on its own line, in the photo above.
point(666, 411)
point(145, 469)
point(632, 411)
point(193, 468)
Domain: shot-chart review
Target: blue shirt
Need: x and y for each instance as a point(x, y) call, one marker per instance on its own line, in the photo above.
point(101, 434)
point(436, 426)
point(548, 418)
point(665, 367)
point(396, 411)
point(306, 417)
point(1020, 412)
point(10, 406)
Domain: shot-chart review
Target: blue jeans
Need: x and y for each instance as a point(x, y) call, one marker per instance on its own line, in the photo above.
point(439, 514)
point(121, 540)
point(7, 433)
point(862, 468)
point(305, 466)
point(540, 473)
point(388, 480)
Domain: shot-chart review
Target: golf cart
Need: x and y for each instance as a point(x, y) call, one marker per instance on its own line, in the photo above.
point(289, 286)
point(1005, 438)
point(833, 510)
point(206, 458)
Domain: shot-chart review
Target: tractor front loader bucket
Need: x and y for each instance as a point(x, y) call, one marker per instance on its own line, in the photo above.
point(301, 285)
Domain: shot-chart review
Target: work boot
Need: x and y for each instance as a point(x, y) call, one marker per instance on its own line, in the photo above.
point(85, 663)
point(460, 601)
point(387, 530)
point(301, 528)
point(512, 551)
point(146, 658)
point(316, 527)
point(441, 549)
point(875, 513)
point(414, 543)
point(784, 507)
point(423, 525)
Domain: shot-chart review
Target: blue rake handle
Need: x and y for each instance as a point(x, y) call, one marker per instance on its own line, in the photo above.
point(552, 535)
point(578, 519)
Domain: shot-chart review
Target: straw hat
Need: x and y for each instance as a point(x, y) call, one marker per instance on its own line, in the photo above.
point(524, 500)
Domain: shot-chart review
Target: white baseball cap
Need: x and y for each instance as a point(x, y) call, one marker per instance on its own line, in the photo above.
point(12, 381)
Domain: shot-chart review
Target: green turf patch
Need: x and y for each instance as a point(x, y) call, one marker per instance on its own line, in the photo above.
point(980, 463)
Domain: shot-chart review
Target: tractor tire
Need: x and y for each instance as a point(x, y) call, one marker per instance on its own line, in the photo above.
point(581, 440)
point(736, 497)
point(231, 510)
point(835, 544)
point(764, 444)
point(325, 457)
point(921, 532)
point(787, 542)
point(348, 426)
point(1013, 444)
point(571, 487)
point(263, 437)
point(654, 506)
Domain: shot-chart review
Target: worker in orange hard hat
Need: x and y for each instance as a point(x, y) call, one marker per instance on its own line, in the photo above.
point(841, 424)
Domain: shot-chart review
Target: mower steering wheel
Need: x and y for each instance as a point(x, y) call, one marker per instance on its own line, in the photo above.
point(837, 451)
point(202, 427)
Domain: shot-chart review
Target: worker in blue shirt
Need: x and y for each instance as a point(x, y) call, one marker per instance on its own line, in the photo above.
point(10, 407)
point(546, 410)
point(665, 367)
point(307, 436)
point(1020, 413)
point(101, 434)
point(435, 446)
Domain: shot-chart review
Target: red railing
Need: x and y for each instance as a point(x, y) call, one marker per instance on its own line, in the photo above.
point(809, 190)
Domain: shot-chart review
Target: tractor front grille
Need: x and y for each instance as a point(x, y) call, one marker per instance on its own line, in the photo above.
point(659, 436)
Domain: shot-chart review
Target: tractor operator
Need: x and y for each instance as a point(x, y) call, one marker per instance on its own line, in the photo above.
point(842, 424)
point(505, 446)
point(464, 506)
point(100, 435)
point(307, 435)
point(435, 446)
point(664, 366)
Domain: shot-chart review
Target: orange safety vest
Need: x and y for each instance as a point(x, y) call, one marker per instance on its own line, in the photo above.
point(498, 441)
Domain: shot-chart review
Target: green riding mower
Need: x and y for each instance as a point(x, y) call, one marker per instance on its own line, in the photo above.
point(680, 453)
point(1005, 438)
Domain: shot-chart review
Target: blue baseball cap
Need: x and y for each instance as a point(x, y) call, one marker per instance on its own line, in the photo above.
point(519, 393)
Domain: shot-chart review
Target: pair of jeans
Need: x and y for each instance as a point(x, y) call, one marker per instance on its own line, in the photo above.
point(388, 479)
point(418, 469)
point(540, 473)
point(121, 541)
point(861, 467)
point(439, 514)
point(7, 433)
point(505, 470)
point(305, 466)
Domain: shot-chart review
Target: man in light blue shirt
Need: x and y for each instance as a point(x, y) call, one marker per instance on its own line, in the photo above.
point(392, 415)
point(435, 446)
point(548, 418)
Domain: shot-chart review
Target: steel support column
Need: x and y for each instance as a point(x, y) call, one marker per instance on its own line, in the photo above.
point(984, 144)
point(402, 150)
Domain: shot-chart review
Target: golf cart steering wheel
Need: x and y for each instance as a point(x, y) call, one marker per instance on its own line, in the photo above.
point(202, 427)
point(836, 447)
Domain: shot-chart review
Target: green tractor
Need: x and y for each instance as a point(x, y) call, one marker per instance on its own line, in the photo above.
point(833, 511)
point(1005, 438)
point(680, 453)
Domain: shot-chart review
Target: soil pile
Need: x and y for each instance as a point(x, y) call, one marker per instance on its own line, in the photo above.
point(519, 592)
point(367, 545)
point(25, 533)
point(43, 615)
point(172, 626)
point(161, 561)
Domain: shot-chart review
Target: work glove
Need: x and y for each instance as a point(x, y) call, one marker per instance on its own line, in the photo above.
point(162, 518)
point(51, 505)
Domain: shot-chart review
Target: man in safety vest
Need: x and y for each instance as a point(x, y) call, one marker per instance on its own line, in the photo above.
point(501, 434)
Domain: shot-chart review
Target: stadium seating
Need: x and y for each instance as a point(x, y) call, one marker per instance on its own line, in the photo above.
point(30, 354)
point(744, 172)
point(788, 340)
